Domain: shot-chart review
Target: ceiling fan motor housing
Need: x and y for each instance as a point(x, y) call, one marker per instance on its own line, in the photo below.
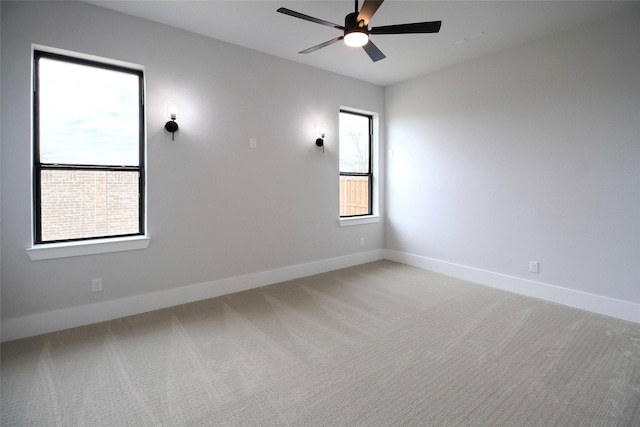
point(351, 24)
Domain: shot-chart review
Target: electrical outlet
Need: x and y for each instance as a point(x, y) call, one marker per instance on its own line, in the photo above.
point(96, 285)
point(362, 241)
point(534, 266)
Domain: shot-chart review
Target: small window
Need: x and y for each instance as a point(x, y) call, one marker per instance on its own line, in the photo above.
point(88, 157)
point(356, 177)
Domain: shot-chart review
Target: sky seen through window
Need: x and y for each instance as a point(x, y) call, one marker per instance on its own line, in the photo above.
point(88, 115)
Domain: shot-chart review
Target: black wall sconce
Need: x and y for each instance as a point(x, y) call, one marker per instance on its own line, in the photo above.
point(320, 141)
point(171, 125)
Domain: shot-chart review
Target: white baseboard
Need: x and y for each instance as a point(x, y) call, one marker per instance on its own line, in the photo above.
point(619, 309)
point(41, 323)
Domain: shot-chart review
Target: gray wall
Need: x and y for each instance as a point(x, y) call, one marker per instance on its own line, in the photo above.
point(217, 209)
point(529, 154)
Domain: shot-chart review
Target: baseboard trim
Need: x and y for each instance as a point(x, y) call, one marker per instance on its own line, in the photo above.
point(42, 323)
point(619, 309)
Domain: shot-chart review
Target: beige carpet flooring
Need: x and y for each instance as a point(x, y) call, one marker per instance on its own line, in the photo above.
point(382, 344)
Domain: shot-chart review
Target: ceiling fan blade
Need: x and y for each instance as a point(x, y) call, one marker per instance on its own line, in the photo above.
point(321, 45)
point(417, 27)
point(374, 53)
point(369, 7)
point(308, 18)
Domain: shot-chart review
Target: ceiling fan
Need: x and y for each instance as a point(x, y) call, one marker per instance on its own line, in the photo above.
point(356, 30)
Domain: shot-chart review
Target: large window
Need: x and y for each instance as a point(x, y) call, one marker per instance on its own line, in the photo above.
point(88, 156)
point(356, 177)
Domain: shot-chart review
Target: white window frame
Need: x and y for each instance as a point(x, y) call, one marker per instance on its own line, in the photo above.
point(375, 165)
point(90, 246)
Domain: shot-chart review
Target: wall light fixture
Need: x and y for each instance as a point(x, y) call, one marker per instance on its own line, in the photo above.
point(320, 141)
point(171, 125)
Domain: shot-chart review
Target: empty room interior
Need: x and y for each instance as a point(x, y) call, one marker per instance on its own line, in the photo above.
point(440, 226)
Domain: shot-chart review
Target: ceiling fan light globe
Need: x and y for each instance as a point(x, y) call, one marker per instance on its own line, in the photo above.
point(356, 39)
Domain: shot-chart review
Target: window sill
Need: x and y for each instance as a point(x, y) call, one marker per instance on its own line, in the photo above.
point(359, 220)
point(88, 247)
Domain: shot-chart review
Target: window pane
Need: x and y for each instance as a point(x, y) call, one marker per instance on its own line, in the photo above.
point(354, 143)
point(83, 204)
point(87, 115)
point(354, 195)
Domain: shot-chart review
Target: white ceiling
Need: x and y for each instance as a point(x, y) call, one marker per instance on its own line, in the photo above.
point(469, 29)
